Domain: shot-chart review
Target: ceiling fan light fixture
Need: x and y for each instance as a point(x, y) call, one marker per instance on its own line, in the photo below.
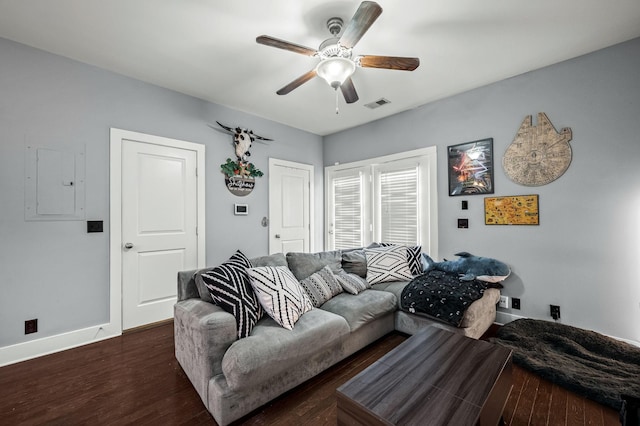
point(335, 70)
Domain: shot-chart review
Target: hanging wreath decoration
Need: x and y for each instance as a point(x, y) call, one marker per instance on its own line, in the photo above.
point(241, 169)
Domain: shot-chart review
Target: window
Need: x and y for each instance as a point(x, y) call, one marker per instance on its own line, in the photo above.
point(348, 226)
point(389, 199)
point(398, 205)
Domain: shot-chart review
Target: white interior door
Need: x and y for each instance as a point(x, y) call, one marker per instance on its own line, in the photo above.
point(159, 228)
point(290, 206)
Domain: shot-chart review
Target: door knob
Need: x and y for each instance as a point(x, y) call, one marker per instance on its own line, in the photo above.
point(277, 235)
point(128, 246)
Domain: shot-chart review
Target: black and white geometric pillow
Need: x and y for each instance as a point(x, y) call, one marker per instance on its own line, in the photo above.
point(413, 257)
point(352, 283)
point(387, 264)
point(230, 288)
point(321, 286)
point(280, 294)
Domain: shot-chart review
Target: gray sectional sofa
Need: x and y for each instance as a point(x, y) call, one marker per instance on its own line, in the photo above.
point(235, 376)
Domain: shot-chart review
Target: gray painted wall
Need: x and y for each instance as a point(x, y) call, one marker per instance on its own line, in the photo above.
point(55, 271)
point(584, 254)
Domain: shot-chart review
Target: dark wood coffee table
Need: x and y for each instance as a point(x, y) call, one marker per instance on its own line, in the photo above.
point(435, 377)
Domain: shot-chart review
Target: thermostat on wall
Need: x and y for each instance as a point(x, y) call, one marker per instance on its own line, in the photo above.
point(241, 209)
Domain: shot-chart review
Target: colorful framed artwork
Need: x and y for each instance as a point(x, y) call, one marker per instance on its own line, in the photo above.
point(470, 168)
point(512, 210)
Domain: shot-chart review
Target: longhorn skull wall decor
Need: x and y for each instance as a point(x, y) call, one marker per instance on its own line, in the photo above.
point(242, 139)
point(240, 174)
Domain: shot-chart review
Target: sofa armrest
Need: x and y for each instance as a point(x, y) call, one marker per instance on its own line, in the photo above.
point(481, 314)
point(203, 333)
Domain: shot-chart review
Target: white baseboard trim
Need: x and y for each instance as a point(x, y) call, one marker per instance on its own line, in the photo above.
point(60, 342)
point(503, 318)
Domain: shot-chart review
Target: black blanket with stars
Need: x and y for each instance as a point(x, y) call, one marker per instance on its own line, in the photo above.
point(442, 295)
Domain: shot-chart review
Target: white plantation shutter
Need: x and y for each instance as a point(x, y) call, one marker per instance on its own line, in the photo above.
point(348, 204)
point(390, 199)
point(398, 206)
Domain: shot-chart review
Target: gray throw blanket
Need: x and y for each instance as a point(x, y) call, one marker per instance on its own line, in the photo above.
point(588, 363)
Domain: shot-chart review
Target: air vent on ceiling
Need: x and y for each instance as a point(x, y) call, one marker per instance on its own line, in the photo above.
point(378, 103)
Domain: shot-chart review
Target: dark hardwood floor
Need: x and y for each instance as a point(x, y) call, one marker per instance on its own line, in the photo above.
point(135, 379)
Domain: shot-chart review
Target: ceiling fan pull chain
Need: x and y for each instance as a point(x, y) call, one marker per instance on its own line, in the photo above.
point(337, 109)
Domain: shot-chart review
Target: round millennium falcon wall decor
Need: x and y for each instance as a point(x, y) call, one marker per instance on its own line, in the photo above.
point(538, 154)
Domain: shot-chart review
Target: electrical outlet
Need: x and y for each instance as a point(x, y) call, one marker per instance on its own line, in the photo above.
point(31, 326)
point(554, 310)
point(515, 303)
point(504, 302)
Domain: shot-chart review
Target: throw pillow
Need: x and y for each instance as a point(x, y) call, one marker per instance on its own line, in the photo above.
point(276, 259)
point(352, 283)
point(413, 257)
point(280, 294)
point(354, 262)
point(387, 264)
point(321, 286)
point(231, 289)
point(303, 265)
point(203, 291)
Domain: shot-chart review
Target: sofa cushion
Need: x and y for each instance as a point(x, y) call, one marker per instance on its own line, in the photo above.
point(270, 349)
point(280, 294)
point(352, 283)
point(393, 287)
point(355, 262)
point(387, 264)
point(362, 308)
point(277, 259)
point(230, 289)
point(321, 286)
point(304, 264)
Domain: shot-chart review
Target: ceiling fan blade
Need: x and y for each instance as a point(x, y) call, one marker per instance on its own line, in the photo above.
point(282, 44)
point(297, 82)
point(388, 62)
point(349, 91)
point(364, 17)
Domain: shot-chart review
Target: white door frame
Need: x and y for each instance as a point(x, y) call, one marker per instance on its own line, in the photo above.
point(285, 163)
point(115, 211)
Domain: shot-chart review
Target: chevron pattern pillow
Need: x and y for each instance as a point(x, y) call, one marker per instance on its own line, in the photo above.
point(321, 286)
point(413, 257)
point(387, 264)
point(230, 288)
point(280, 294)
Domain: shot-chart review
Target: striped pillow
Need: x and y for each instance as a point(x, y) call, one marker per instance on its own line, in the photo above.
point(352, 283)
point(321, 286)
point(280, 294)
point(230, 289)
point(387, 264)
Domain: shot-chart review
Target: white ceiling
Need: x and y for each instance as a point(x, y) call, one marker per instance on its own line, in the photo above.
point(207, 49)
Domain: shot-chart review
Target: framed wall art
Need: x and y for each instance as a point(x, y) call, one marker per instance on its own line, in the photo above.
point(512, 210)
point(470, 168)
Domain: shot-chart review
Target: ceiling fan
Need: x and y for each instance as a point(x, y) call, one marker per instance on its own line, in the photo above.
point(337, 63)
